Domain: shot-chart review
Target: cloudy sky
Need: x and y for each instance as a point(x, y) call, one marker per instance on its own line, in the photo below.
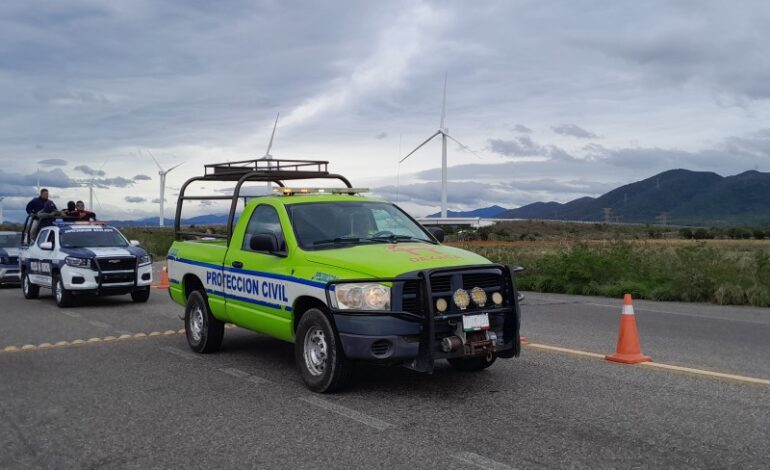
point(557, 99)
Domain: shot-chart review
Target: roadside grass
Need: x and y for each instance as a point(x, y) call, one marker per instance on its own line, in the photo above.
point(727, 273)
point(155, 240)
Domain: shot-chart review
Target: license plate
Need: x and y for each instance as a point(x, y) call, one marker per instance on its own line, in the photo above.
point(476, 322)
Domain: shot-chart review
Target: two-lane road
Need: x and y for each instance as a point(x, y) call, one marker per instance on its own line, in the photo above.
point(151, 403)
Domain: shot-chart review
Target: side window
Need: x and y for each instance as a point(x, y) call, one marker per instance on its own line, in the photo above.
point(43, 237)
point(264, 219)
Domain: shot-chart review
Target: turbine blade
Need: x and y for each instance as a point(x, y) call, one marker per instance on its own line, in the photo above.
point(175, 166)
point(420, 146)
point(464, 147)
point(272, 136)
point(443, 104)
point(155, 160)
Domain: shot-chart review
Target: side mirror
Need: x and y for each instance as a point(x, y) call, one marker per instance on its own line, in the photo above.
point(437, 233)
point(134, 242)
point(48, 246)
point(265, 242)
point(517, 269)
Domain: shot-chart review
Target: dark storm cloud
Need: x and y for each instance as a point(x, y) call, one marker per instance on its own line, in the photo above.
point(525, 146)
point(522, 129)
point(142, 178)
point(157, 200)
point(52, 162)
point(134, 199)
point(89, 171)
point(573, 131)
point(381, 136)
point(116, 182)
point(25, 184)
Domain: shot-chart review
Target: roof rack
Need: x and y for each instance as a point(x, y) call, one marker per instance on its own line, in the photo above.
point(261, 169)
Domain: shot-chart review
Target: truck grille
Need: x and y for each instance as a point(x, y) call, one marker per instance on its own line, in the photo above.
point(116, 278)
point(444, 284)
point(116, 264)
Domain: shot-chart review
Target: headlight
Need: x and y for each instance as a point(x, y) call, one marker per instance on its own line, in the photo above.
point(78, 262)
point(145, 259)
point(364, 296)
point(497, 298)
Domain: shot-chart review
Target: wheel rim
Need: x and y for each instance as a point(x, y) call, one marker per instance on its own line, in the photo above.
point(59, 293)
point(196, 323)
point(315, 351)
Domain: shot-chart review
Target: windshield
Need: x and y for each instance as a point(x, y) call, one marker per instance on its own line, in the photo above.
point(10, 240)
point(324, 225)
point(92, 238)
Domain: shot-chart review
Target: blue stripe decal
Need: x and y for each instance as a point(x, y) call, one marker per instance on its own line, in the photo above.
point(243, 299)
point(279, 277)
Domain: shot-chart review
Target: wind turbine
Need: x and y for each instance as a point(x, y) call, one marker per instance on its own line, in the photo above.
point(162, 174)
point(268, 155)
point(444, 133)
point(1, 209)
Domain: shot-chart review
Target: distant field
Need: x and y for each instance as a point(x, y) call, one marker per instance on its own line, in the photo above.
point(735, 272)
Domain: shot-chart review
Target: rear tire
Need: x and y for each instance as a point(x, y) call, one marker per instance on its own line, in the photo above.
point(63, 297)
point(319, 355)
point(204, 332)
point(141, 296)
point(30, 290)
point(473, 364)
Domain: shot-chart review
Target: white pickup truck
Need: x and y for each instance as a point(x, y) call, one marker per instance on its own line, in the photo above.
point(90, 258)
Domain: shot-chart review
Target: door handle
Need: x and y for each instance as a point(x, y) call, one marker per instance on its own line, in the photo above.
point(237, 264)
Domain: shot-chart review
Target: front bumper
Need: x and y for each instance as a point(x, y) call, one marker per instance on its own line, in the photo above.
point(105, 282)
point(415, 339)
point(9, 273)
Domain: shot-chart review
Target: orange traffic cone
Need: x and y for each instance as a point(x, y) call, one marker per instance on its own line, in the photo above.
point(628, 350)
point(163, 279)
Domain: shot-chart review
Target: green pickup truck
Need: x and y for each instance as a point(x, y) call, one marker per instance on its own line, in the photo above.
point(344, 277)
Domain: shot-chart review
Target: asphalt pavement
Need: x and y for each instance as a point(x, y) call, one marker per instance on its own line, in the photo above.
point(149, 402)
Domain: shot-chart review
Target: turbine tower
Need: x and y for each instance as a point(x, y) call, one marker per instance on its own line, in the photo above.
point(1, 209)
point(444, 133)
point(162, 174)
point(268, 155)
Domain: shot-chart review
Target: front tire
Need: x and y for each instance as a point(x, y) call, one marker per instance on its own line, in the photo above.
point(30, 290)
point(204, 331)
point(319, 355)
point(63, 297)
point(141, 295)
point(473, 364)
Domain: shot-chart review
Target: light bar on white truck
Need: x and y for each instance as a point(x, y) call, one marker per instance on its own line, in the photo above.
point(293, 191)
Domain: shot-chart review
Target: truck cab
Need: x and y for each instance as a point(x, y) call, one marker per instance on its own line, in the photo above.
point(76, 259)
point(342, 276)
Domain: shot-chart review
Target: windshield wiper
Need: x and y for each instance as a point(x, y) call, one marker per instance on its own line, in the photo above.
point(399, 238)
point(340, 240)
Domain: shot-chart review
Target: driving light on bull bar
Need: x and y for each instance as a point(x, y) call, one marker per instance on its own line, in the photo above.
point(497, 298)
point(441, 304)
point(461, 299)
point(363, 296)
point(478, 296)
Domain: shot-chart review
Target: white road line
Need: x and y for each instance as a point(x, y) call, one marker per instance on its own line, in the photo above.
point(347, 412)
point(480, 461)
point(242, 374)
point(681, 314)
point(100, 324)
point(179, 352)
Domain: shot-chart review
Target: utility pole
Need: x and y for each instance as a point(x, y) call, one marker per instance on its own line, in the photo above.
point(607, 215)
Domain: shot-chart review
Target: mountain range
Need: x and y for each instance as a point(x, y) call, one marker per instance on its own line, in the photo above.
point(681, 197)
